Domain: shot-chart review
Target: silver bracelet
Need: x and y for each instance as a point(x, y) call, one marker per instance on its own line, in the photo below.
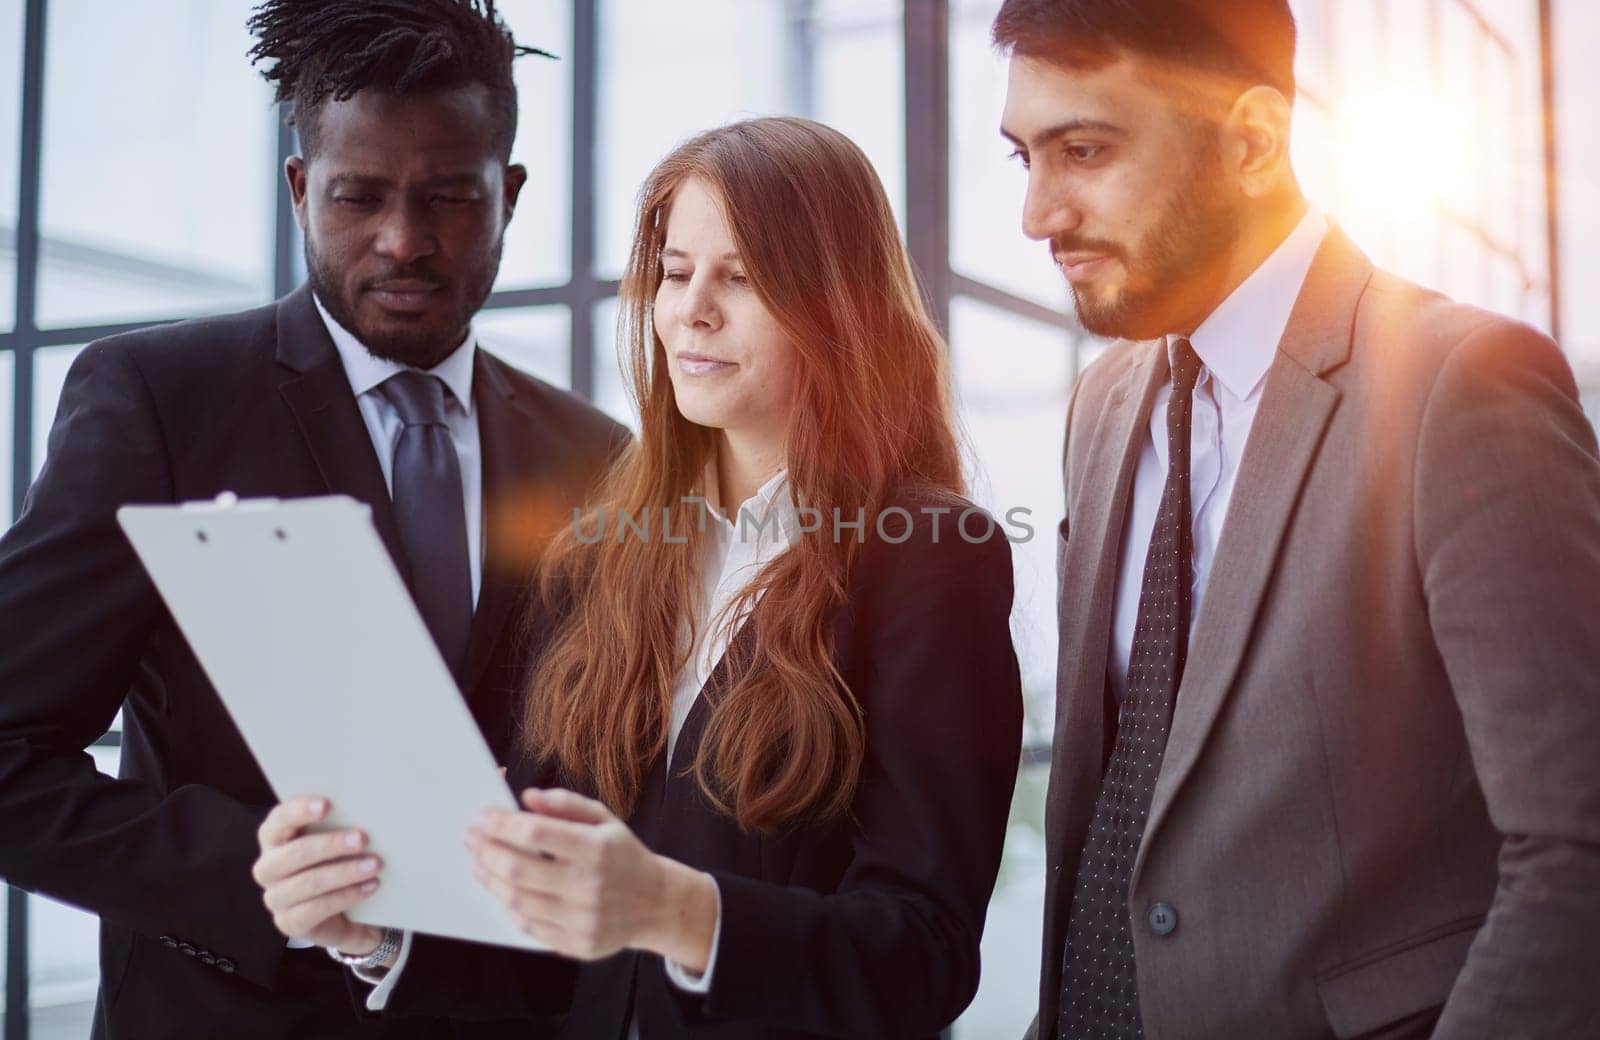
point(388, 946)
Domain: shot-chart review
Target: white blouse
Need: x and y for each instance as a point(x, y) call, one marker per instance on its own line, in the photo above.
point(734, 552)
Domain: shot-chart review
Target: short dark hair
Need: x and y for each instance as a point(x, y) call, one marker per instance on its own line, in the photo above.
point(1244, 42)
point(335, 48)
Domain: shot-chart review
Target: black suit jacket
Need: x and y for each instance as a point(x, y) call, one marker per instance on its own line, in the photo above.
point(868, 927)
point(256, 403)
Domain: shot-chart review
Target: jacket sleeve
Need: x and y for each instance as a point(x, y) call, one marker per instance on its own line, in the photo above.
point(473, 982)
point(893, 951)
point(1508, 539)
point(79, 614)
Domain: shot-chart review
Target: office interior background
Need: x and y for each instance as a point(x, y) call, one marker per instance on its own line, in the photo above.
point(140, 182)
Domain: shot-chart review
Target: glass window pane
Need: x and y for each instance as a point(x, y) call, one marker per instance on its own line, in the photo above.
point(10, 134)
point(1008, 989)
point(1013, 377)
point(160, 169)
point(64, 949)
point(7, 421)
point(1578, 76)
point(64, 954)
point(610, 389)
point(1399, 152)
point(537, 340)
point(63, 961)
point(538, 247)
point(843, 64)
point(987, 187)
point(50, 365)
point(1313, 66)
point(859, 83)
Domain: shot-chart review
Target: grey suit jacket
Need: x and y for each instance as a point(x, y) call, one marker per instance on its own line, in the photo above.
point(1381, 792)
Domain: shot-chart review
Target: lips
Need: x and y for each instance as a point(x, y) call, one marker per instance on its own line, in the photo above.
point(404, 293)
point(693, 364)
point(1079, 266)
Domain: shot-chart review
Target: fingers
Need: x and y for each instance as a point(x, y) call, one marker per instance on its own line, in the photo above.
point(535, 913)
point(313, 884)
point(283, 861)
point(535, 835)
point(307, 919)
point(517, 867)
point(285, 822)
point(565, 805)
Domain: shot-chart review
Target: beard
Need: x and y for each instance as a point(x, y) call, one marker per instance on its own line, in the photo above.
point(421, 343)
point(1173, 270)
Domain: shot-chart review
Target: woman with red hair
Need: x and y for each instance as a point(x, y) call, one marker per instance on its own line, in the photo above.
point(770, 750)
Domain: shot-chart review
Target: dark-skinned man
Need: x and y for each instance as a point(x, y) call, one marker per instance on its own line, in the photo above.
point(366, 382)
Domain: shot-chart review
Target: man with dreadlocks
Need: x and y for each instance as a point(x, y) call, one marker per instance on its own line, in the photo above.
point(366, 382)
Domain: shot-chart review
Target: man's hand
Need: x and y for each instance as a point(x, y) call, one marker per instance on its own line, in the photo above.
point(308, 881)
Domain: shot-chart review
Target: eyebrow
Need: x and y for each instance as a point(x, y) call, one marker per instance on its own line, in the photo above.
point(678, 254)
point(373, 180)
point(1072, 126)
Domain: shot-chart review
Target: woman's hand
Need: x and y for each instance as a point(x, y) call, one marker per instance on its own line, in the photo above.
point(308, 881)
point(575, 877)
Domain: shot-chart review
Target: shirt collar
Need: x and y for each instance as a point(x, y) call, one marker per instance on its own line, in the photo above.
point(367, 371)
point(1239, 339)
point(772, 498)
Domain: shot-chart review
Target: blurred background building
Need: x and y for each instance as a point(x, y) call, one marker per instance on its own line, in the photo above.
point(140, 183)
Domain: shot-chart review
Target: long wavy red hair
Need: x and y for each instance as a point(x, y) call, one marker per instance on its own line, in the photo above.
point(872, 421)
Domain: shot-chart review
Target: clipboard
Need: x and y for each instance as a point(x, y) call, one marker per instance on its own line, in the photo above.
point(304, 626)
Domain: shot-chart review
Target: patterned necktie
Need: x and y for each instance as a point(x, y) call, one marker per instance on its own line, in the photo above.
point(429, 510)
point(1099, 988)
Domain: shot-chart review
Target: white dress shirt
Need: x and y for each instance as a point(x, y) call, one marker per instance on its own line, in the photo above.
point(1236, 345)
point(367, 372)
point(733, 553)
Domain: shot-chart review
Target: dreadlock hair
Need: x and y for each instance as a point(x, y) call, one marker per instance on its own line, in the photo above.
point(335, 48)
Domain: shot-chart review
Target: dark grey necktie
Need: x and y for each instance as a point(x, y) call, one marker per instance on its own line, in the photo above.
point(430, 512)
point(1099, 988)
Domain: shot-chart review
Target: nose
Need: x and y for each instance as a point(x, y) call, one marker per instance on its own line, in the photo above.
point(1049, 210)
point(697, 306)
point(406, 235)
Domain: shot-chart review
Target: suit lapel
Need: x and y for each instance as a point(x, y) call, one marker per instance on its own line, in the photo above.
point(518, 516)
point(317, 392)
point(1088, 583)
point(1296, 406)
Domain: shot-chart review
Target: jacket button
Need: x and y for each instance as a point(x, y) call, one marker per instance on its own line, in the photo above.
point(206, 957)
point(187, 949)
point(225, 966)
point(169, 942)
point(1162, 919)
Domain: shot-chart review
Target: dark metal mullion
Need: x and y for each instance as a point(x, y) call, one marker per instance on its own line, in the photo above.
point(284, 268)
point(1000, 299)
point(927, 140)
point(801, 57)
point(37, 338)
point(925, 38)
point(16, 964)
point(1552, 197)
point(17, 1018)
point(544, 296)
point(27, 251)
point(586, 291)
